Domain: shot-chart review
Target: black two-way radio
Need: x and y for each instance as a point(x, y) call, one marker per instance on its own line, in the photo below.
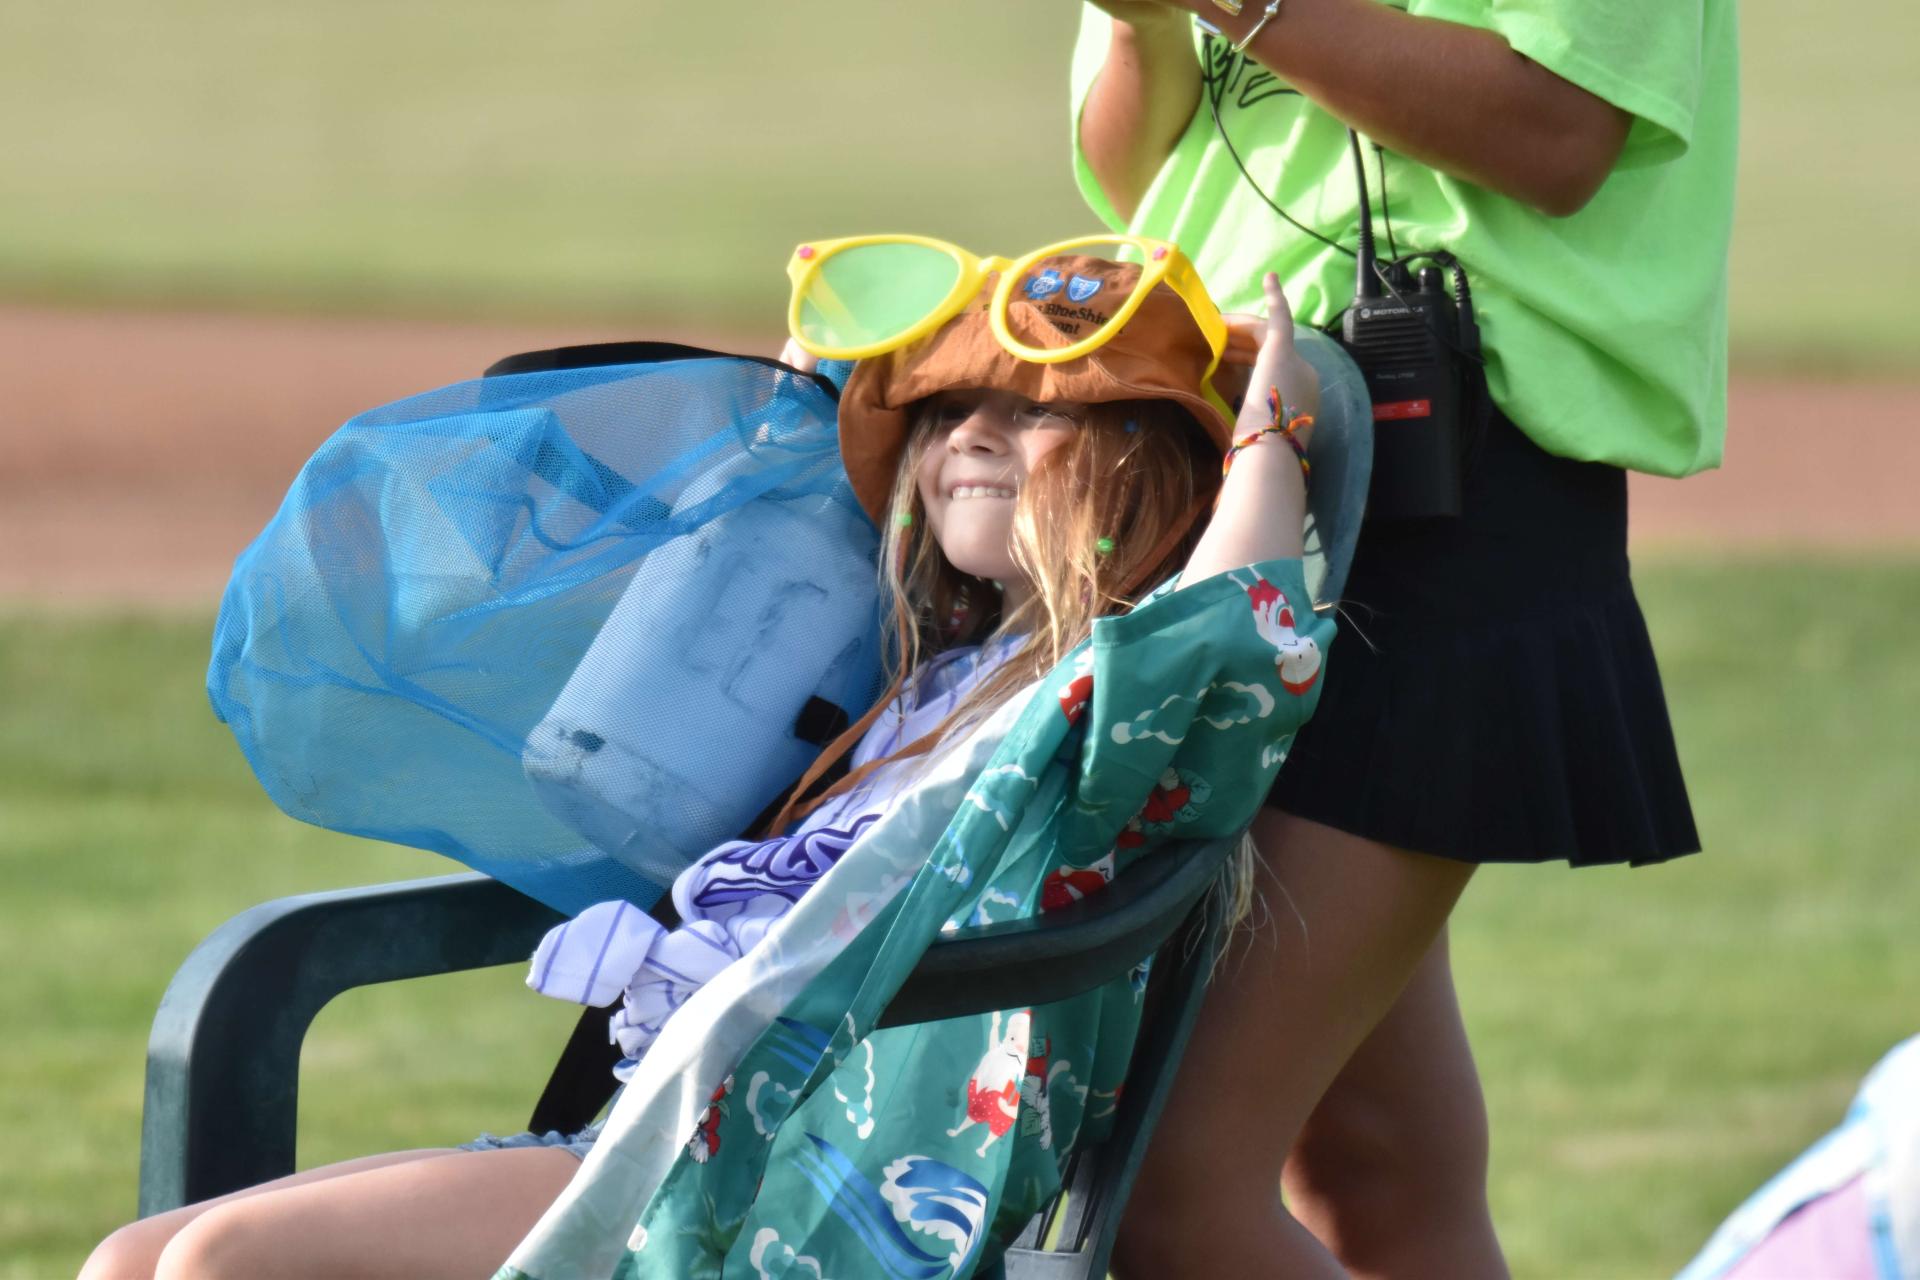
point(1416, 344)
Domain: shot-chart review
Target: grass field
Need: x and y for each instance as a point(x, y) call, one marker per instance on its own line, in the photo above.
point(1654, 1043)
point(644, 161)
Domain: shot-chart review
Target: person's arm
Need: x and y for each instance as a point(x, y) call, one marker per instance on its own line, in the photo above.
point(1262, 510)
point(1454, 97)
point(1140, 103)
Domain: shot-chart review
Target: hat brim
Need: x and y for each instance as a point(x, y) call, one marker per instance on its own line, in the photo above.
point(1159, 355)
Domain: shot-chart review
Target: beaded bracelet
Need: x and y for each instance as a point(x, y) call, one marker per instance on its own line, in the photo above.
point(1293, 422)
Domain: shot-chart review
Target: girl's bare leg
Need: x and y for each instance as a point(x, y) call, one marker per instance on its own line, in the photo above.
point(411, 1214)
point(1351, 921)
point(1390, 1172)
point(134, 1250)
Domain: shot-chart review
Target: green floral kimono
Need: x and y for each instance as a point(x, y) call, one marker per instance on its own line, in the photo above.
point(771, 1132)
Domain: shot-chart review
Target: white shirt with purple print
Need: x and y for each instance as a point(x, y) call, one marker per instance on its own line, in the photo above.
point(730, 897)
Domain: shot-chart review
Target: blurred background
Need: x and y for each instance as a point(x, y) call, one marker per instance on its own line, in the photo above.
point(224, 228)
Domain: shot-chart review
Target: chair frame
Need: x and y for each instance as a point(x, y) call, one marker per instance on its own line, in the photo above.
point(223, 1061)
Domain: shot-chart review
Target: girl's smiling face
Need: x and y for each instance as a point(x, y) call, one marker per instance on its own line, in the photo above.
point(984, 447)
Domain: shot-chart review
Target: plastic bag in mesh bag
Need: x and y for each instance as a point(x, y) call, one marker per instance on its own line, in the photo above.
point(565, 627)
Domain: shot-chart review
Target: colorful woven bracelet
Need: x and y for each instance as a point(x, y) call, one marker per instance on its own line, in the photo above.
point(1292, 421)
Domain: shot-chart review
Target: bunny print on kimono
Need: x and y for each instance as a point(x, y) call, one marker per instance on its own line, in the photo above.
point(993, 1090)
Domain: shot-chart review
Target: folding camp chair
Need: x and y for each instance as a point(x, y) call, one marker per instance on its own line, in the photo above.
point(224, 1058)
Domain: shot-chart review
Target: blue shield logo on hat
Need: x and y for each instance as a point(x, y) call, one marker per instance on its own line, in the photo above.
point(1043, 284)
point(1080, 288)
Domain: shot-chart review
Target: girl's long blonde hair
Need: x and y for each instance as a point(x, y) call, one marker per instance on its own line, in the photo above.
point(1134, 477)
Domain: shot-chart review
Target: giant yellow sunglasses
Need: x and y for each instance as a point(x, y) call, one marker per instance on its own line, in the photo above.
point(864, 295)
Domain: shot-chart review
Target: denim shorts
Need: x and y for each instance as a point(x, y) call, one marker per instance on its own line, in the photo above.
point(574, 1144)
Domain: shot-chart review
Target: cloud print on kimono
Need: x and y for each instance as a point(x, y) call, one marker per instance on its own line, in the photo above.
point(992, 897)
point(982, 794)
point(860, 1114)
point(768, 1102)
point(1222, 705)
point(1146, 724)
point(1229, 703)
point(774, 1260)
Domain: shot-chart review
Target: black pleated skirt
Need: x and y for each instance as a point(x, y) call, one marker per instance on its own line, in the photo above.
point(1492, 695)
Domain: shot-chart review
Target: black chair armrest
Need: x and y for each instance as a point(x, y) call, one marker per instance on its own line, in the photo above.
point(1049, 957)
point(223, 1060)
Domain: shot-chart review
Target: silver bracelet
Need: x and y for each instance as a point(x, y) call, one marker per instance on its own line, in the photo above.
point(1267, 15)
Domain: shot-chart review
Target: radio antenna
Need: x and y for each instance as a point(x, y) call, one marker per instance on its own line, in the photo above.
point(1367, 278)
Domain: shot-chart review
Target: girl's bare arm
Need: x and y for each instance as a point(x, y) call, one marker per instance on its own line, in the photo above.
point(1263, 500)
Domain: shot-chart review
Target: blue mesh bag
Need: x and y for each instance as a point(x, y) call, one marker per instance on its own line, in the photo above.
point(569, 626)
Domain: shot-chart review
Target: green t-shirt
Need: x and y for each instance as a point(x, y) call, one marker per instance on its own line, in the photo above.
point(1605, 331)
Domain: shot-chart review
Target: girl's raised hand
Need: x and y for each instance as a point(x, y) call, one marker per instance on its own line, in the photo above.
point(1277, 365)
point(1261, 511)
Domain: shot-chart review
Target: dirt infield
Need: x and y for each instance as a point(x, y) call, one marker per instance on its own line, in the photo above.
point(139, 451)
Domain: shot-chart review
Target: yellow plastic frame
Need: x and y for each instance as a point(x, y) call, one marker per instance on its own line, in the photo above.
point(1160, 261)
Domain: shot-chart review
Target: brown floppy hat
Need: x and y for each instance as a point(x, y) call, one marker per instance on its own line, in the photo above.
point(1160, 354)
